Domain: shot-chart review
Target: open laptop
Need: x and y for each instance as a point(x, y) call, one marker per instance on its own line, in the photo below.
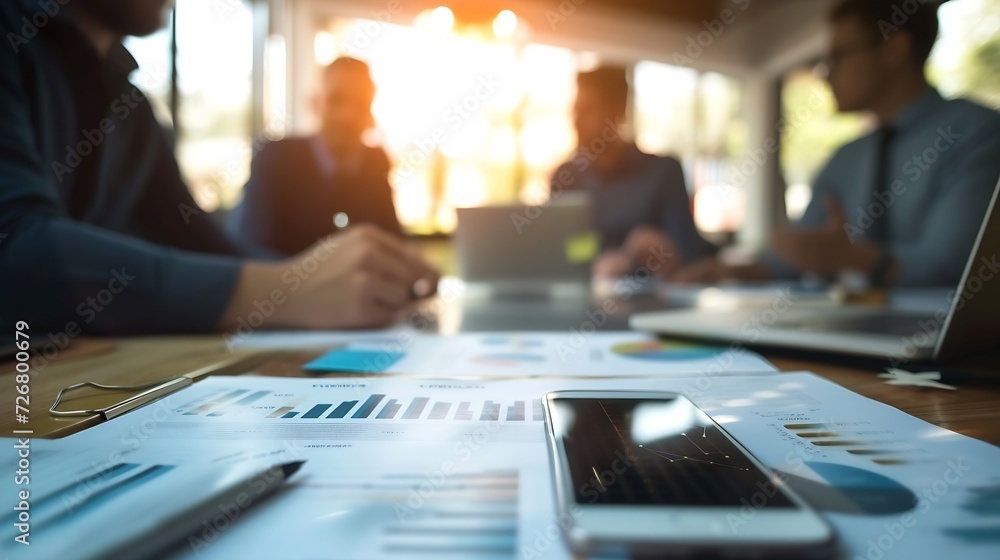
point(964, 322)
point(519, 249)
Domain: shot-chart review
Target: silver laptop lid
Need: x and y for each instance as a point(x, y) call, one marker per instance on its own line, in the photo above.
point(519, 243)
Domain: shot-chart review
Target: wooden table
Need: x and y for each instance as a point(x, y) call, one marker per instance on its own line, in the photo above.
point(971, 410)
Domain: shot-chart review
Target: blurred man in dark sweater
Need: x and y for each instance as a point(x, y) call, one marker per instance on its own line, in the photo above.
point(299, 187)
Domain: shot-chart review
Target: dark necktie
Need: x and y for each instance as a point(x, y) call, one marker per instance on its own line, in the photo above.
point(879, 231)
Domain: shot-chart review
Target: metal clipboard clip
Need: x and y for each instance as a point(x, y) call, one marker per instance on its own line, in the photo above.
point(154, 389)
point(150, 392)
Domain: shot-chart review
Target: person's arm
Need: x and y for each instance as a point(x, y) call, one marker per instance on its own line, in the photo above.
point(814, 216)
point(61, 274)
point(966, 179)
point(359, 278)
point(770, 265)
point(676, 219)
point(668, 244)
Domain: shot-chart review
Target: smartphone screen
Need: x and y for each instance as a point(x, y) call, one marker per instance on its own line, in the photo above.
point(657, 452)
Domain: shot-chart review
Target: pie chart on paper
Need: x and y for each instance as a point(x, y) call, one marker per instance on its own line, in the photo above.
point(664, 351)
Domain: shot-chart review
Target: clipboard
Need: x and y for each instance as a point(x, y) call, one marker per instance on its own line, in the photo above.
point(153, 390)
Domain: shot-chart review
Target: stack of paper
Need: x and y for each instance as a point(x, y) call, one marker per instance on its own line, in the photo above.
point(418, 468)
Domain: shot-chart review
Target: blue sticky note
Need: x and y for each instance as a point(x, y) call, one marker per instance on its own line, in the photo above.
point(353, 359)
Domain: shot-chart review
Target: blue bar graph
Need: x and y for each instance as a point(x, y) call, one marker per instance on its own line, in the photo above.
point(379, 406)
point(342, 410)
point(316, 411)
point(367, 408)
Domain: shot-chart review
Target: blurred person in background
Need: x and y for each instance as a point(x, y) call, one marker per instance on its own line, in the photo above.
point(298, 185)
point(639, 201)
point(100, 233)
point(902, 205)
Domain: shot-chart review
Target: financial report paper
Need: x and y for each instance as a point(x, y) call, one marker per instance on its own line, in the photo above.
point(444, 468)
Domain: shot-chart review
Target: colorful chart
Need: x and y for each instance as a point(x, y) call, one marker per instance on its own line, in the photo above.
point(663, 351)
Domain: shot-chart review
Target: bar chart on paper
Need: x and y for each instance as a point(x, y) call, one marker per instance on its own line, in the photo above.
point(272, 405)
point(471, 515)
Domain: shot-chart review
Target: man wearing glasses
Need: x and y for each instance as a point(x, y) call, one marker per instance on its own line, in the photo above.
point(903, 204)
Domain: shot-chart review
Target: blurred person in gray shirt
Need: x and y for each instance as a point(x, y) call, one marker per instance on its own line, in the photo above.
point(639, 201)
point(902, 205)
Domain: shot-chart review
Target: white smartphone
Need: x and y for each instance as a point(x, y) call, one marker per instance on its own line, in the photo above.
point(650, 474)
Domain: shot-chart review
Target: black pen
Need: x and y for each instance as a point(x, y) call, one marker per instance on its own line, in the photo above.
point(234, 496)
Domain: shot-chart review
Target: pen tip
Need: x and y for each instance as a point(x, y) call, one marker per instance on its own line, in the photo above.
point(291, 468)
